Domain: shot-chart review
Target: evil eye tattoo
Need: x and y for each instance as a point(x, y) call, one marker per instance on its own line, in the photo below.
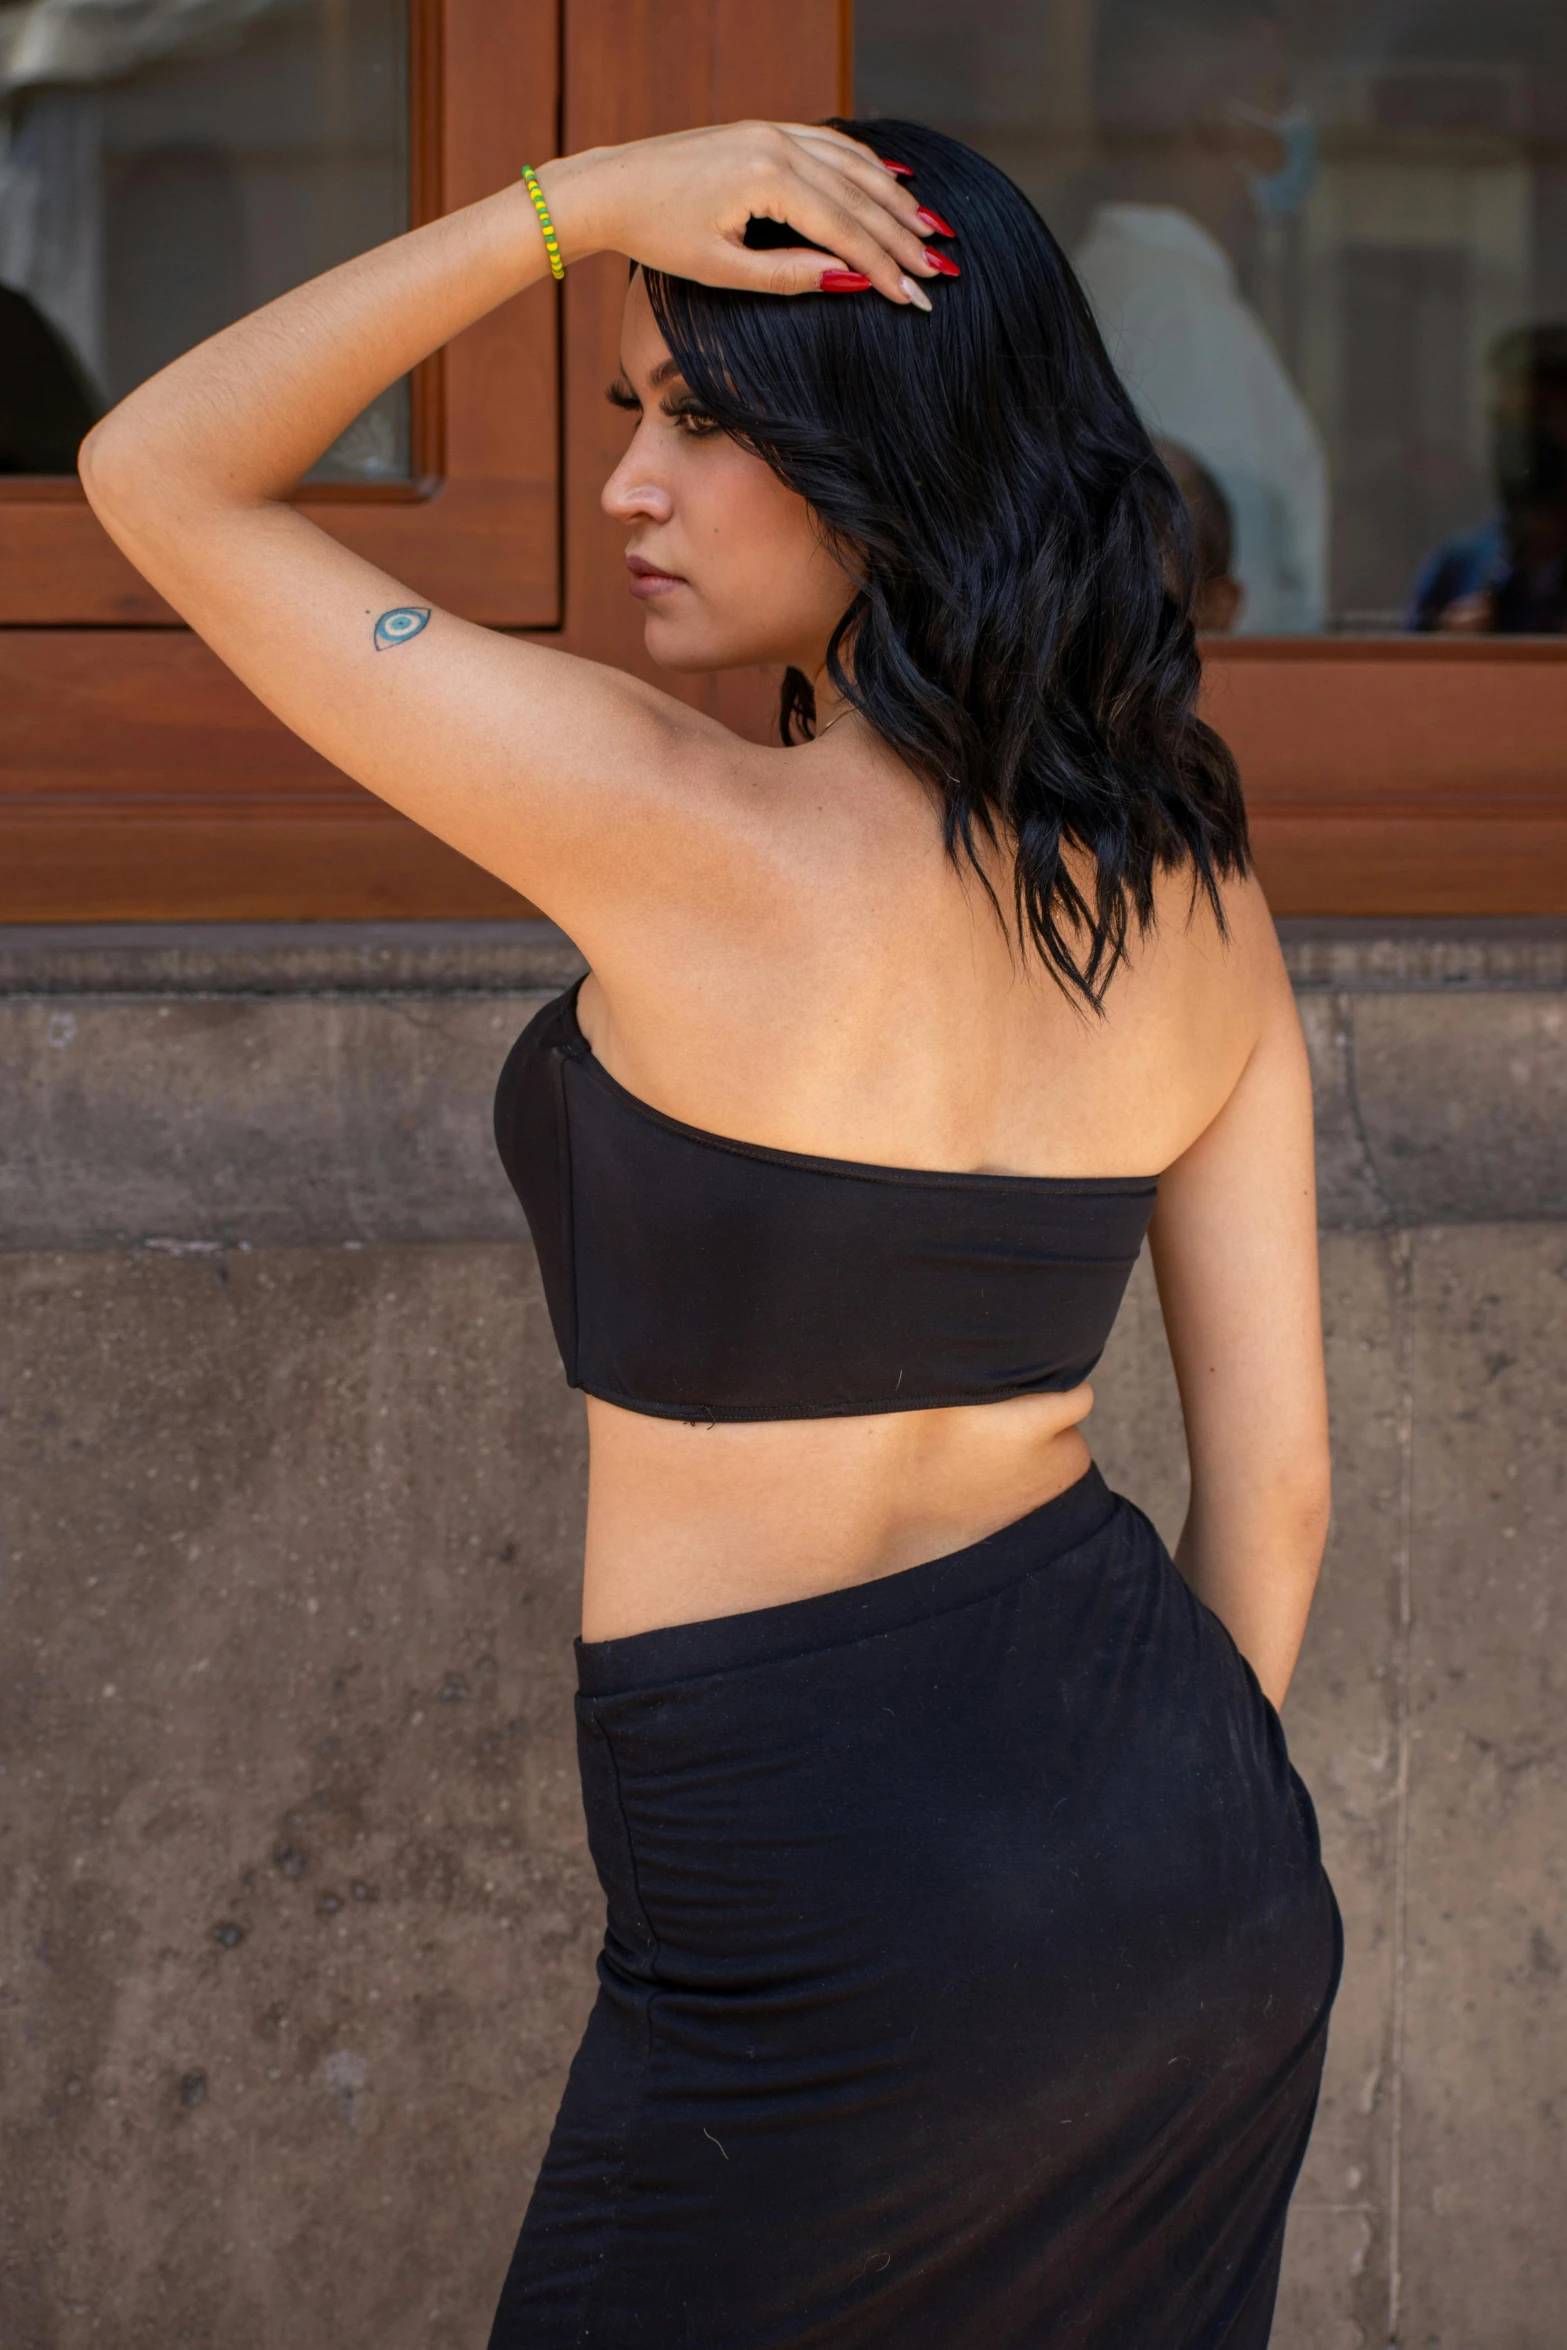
point(398, 625)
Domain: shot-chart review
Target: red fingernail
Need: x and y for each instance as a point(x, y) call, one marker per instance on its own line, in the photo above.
point(934, 222)
point(843, 281)
point(903, 171)
point(940, 261)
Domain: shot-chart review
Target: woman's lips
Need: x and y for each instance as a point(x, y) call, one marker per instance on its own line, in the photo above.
point(647, 580)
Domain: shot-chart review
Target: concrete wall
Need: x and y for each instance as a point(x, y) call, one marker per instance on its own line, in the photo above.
point(298, 1925)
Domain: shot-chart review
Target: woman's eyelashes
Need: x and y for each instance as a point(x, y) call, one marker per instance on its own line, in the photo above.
point(682, 408)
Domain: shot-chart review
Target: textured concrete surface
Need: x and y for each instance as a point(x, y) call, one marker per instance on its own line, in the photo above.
point(1426, 1718)
point(1485, 2112)
point(1439, 1107)
point(1342, 1718)
point(296, 1923)
point(1446, 955)
point(1350, 1194)
point(281, 1120)
point(1463, 1104)
point(301, 1088)
point(374, 958)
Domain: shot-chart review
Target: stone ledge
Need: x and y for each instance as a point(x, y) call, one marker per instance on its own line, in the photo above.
point(1373, 956)
point(296, 1086)
point(1425, 956)
point(284, 958)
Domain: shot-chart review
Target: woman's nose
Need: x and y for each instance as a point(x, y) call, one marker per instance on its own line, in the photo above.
point(632, 495)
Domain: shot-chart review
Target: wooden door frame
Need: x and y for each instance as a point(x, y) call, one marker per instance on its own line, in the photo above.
point(145, 784)
point(139, 780)
point(479, 521)
point(1392, 776)
point(1384, 776)
point(1399, 775)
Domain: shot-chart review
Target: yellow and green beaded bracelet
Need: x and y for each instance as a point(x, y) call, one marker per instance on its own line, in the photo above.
point(530, 182)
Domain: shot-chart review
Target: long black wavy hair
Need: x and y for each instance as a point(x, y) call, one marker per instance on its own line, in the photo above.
point(1022, 629)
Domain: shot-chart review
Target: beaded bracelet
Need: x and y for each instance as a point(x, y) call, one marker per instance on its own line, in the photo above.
point(530, 182)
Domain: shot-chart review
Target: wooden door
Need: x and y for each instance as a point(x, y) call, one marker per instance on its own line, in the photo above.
point(138, 780)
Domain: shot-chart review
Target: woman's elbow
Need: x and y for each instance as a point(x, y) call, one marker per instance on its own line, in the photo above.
point(142, 498)
point(1303, 1503)
point(105, 466)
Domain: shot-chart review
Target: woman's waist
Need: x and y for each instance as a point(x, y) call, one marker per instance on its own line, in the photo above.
point(687, 1522)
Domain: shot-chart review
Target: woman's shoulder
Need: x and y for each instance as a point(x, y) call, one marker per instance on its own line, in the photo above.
point(1202, 985)
point(1221, 938)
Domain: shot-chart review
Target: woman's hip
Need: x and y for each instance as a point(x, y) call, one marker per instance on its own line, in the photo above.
point(966, 1975)
point(1039, 1758)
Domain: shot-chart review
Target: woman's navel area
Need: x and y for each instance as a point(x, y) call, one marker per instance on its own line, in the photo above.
point(691, 1520)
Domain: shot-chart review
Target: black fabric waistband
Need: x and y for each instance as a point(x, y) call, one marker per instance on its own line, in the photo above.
point(725, 1644)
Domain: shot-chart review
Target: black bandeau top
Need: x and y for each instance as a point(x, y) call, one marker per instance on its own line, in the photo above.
point(699, 1278)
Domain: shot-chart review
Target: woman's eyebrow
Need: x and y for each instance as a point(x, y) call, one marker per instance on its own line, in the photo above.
point(667, 371)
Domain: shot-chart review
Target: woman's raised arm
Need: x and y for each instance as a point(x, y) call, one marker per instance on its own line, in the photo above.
point(519, 756)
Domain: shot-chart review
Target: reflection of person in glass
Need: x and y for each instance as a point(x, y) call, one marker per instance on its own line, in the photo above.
point(46, 403)
point(1193, 109)
point(1220, 598)
point(1509, 577)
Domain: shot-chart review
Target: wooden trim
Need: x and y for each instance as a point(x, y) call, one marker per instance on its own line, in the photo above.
point(144, 783)
point(1486, 652)
point(139, 780)
point(1415, 730)
point(426, 129)
point(1400, 776)
point(1399, 785)
point(1385, 776)
point(479, 527)
point(1424, 865)
point(272, 865)
point(207, 809)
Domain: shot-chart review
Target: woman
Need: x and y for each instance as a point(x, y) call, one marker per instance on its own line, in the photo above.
point(969, 1954)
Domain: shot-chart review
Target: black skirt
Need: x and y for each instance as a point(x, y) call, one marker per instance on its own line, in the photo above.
point(966, 1978)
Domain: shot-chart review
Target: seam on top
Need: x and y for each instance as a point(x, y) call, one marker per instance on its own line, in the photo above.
point(636, 2108)
point(701, 1415)
point(567, 1214)
point(578, 1049)
point(631, 1861)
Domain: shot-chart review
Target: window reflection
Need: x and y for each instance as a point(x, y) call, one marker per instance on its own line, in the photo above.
point(165, 166)
point(1327, 243)
point(1509, 576)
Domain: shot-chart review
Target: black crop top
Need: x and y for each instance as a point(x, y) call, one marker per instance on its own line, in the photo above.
point(699, 1278)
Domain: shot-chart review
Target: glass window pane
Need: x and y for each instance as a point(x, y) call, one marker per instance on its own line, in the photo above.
point(165, 166)
point(1327, 242)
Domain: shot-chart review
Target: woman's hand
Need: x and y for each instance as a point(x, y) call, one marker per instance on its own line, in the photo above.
point(681, 204)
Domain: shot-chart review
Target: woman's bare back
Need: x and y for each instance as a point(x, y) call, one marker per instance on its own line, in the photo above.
point(870, 1005)
point(781, 949)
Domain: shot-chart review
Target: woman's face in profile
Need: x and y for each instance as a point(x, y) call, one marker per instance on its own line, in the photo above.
point(723, 557)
